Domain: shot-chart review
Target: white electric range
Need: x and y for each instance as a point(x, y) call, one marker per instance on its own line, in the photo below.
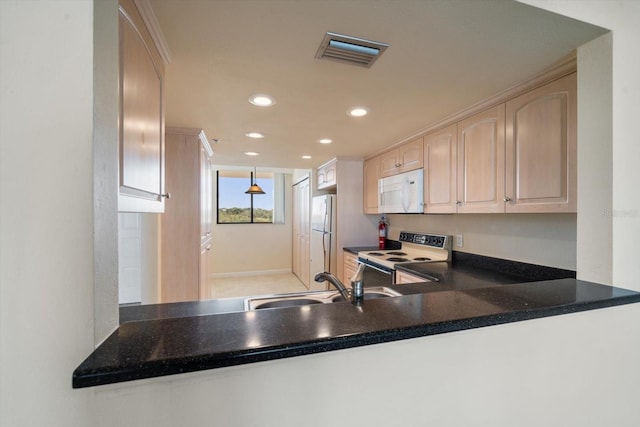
point(416, 247)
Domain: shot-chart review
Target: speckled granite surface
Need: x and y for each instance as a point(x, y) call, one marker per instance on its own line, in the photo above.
point(160, 347)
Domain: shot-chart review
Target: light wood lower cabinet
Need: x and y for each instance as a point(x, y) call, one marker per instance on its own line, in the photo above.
point(350, 267)
point(402, 277)
point(301, 224)
point(541, 153)
point(204, 290)
point(186, 224)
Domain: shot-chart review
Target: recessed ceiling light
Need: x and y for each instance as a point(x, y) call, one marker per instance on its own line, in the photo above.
point(256, 135)
point(358, 111)
point(325, 141)
point(251, 153)
point(262, 100)
point(306, 157)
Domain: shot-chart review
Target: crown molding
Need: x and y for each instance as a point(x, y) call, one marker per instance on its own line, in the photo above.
point(149, 18)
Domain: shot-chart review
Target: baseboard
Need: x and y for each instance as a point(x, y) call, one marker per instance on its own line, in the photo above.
point(250, 273)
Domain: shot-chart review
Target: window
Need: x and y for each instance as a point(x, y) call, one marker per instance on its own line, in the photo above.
point(237, 207)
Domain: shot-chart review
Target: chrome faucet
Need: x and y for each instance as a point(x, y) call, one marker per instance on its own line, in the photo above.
point(357, 284)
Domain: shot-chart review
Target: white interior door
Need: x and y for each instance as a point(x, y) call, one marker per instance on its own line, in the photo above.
point(129, 258)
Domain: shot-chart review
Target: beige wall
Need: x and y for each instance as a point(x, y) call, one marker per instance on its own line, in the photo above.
point(253, 248)
point(575, 370)
point(546, 239)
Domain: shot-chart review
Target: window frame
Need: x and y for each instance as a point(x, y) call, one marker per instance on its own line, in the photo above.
point(251, 204)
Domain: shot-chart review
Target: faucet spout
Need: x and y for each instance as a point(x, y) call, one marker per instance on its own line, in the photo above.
point(325, 275)
point(357, 284)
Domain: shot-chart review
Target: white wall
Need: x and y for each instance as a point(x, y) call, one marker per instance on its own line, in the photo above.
point(557, 371)
point(577, 370)
point(595, 184)
point(253, 248)
point(46, 211)
point(545, 239)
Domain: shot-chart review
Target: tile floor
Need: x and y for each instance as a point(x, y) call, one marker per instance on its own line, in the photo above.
point(242, 286)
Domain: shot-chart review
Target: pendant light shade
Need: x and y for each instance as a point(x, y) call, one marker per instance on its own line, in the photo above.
point(255, 188)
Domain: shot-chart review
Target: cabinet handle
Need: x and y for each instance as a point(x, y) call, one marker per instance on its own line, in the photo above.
point(507, 199)
point(458, 202)
point(166, 195)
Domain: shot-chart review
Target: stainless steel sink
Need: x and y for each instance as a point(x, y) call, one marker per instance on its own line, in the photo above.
point(306, 298)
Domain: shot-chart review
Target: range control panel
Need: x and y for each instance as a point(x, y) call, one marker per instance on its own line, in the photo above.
point(433, 240)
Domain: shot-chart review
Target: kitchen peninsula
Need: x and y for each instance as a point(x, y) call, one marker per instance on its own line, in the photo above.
point(194, 341)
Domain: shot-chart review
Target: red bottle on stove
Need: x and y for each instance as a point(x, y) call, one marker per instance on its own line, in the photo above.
point(382, 232)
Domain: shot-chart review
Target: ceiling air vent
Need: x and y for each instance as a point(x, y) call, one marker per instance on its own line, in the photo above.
point(351, 50)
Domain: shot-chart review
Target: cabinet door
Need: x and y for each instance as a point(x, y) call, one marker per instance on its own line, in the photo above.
point(440, 150)
point(411, 156)
point(141, 175)
point(204, 289)
point(301, 267)
point(389, 163)
point(481, 162)
point(206, 195)
point(541, 149)
point(402, 278)
point(350, 266)
point(371, 171)
point(181, 224)
point(327, 176)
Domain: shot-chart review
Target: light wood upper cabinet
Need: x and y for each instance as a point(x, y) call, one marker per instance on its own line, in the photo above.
point(371, 171)
point(440, 149)
point(141, 133)
point(327, 176)
point(480, 155)
point(405, 158)
point(541, 149)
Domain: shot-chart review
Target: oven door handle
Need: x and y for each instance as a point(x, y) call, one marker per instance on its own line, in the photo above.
point(375, 268)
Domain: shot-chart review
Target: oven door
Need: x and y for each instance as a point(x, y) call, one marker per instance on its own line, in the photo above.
point(377, 275)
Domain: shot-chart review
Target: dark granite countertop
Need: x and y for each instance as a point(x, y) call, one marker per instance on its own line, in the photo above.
point(160, 347)
point(470, 271)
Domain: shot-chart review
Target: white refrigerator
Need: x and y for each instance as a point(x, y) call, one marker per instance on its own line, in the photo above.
point(324, 252)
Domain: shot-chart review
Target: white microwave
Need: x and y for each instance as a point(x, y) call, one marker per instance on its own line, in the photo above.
point(401, 193)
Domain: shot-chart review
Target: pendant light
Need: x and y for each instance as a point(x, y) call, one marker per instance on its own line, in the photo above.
point(255, 188)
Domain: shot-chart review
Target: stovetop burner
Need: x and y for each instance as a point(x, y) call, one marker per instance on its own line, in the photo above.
point(416, 247)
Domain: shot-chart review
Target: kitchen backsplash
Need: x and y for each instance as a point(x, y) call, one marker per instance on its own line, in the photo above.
point(544, 239)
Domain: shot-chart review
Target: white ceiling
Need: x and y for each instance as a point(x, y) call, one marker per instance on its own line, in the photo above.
point(443, 56)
